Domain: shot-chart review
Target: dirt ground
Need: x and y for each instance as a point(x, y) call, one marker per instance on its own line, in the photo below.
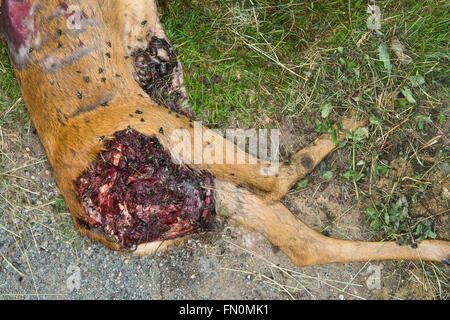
point(49, 260)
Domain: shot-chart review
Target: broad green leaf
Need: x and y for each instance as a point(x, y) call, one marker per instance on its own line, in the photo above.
point(416, 80)
point(327, 175)
point(333, 137)
point(326, 109)
point(375, 224)
point(408, 95)
point(375, 120)
point(384, 56)
point(347, 175)
point(371, 211)
point(386, 217)
point(301, 184)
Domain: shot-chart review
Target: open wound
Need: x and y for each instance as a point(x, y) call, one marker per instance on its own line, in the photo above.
point(134, 193)
point(158, 73)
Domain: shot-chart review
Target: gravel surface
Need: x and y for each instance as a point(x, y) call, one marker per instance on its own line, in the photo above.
point(195, 271)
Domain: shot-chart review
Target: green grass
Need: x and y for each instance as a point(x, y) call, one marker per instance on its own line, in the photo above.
point(226, 51)
point(12, 107)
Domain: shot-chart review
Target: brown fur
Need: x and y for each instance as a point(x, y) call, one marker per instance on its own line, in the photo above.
point(69, 127)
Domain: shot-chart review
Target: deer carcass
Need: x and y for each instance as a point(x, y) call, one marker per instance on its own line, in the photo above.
point(105, 93)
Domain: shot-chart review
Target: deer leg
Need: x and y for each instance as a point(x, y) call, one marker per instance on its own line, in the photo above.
point(305, 246)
